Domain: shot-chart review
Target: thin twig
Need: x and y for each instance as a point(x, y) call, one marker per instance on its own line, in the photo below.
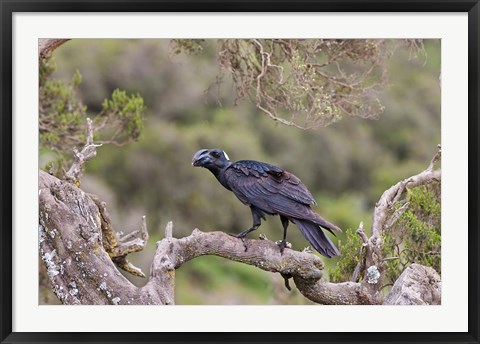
point(393, 194)
point(88, 152)
point(436, 158)
point(169, 230)
point(361, 254)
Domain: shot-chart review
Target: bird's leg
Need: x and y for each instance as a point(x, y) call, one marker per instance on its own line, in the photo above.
point(244, 233)
point(257, 220)
point(282, 244)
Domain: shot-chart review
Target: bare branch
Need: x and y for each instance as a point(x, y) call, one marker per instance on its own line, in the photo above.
point(325, 293)
point(361, 261)
point(269, 62)
point(47, 46)
point(264, 254)
point(131, 243)
point(396, 215)
point(362, 234)
point(118, 247)
point(279, 119)
point(132, 235)
point(169, 230)
point(436, 158)
point(88, 152)
point(392, 195)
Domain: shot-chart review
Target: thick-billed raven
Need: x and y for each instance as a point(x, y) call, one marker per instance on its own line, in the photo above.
point(268, 189)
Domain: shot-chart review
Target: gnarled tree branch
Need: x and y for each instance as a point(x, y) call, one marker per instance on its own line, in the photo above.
point(374, 267)
point(47, 46)
point(88, 152)
point(417, 285)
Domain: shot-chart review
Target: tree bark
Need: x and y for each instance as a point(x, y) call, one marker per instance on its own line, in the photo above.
point(71, 247)
point(325, 293)
point(417, 285)
point(47, 46)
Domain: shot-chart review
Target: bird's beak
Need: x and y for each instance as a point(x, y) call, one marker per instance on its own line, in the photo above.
point(198, 157)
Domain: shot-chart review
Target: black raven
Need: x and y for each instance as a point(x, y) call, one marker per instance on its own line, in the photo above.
point(268, 189)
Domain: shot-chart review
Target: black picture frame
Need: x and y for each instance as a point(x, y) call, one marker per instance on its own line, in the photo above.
point(9, 7)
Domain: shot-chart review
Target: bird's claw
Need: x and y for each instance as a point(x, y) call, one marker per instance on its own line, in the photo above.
point(242, 237)
point(283, 244)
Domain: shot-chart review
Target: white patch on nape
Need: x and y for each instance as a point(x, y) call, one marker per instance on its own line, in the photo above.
point(226, 156)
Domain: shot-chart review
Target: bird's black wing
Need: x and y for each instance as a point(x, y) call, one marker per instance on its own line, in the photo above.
point(270, 188)
point(276, 191)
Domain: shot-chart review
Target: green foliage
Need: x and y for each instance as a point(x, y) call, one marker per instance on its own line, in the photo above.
point(188, 46)
point(124, 113)
point(349, 259)
point(62, 117)
point(416, 236)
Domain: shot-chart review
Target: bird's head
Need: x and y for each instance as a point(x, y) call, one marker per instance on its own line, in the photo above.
point(211, 159)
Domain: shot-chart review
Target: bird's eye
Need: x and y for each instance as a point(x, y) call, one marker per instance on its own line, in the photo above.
point(216, 154)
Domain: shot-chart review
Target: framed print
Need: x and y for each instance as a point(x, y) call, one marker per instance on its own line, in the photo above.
point(202, 172)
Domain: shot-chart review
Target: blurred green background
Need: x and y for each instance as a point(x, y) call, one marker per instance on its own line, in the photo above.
point(346, 166)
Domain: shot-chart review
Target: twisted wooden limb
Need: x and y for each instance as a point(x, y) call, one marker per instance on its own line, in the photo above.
point(325, 293)
point(71, 246)
point(117, 246)
point(172, 253)
point(80, 158)
point(374, 263)
point(47, 46)
point(417, 285)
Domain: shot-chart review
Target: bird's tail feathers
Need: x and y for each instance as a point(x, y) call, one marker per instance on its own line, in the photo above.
point(327, 225)
point(317, 238)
